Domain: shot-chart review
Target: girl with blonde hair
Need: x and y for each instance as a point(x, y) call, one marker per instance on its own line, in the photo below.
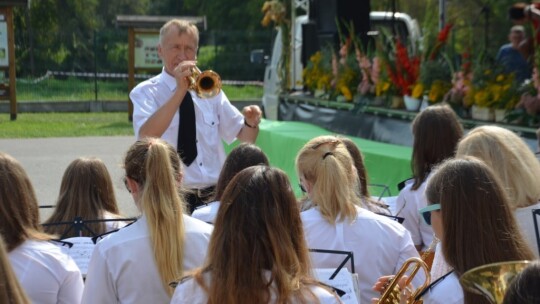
point(46, 273)
point(515, 165)
point(87, 192)
point(137, 263)
point(336, 222)
point(257, 253)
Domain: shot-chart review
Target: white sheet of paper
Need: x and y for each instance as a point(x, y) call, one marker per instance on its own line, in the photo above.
point(81, 251)
point(344, 280)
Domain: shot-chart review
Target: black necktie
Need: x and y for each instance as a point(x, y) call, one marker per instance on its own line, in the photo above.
point(187, 143)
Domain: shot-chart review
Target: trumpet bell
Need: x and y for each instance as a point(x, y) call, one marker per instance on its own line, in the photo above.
point(492, 280)
point(208, 84)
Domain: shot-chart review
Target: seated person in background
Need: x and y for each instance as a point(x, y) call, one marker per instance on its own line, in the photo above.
point(368, 202)
point(515, 165)
point(525, 288)
point(47, 274)
point(337, 222)
point(470, 214)
point(86, 191)
point(511, 58)
point(522, 13)
point(243, 156)
point(137, 263)
point(11, 290)
point(436, 132)
point(257, 253)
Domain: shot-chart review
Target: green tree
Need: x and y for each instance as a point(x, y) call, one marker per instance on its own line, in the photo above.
point(234, 14)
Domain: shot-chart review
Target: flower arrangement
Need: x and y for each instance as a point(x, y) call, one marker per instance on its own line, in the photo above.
point(494, 89)
point(346, 71)
point(276, 11)
point(403, 70)
point(460, 95)
point(435, 73)
point(318, 74)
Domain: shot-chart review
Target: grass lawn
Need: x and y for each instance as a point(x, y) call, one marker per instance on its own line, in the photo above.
point(34, 125)
point(73, 89)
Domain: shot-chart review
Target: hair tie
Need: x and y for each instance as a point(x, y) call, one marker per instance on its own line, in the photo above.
point(326, 154)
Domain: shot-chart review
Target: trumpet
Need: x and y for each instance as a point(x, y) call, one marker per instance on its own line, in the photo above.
point(206, 84)
point(391, 294)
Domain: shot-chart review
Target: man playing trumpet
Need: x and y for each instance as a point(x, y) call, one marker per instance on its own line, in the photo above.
point(166, 106)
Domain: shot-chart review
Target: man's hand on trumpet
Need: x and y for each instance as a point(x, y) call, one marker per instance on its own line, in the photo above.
point(182, 72)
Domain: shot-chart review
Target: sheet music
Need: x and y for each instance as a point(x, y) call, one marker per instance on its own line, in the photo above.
point(81, 251)
point(343, 280)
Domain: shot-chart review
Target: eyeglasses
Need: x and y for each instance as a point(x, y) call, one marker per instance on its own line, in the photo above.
point(426, 212)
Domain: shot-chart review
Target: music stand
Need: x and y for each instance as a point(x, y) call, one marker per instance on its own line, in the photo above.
point(386, 189)
point(80, 225)
point(535, 213)
point(348, 256)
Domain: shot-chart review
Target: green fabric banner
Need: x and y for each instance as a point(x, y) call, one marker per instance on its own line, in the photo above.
point(386, 164)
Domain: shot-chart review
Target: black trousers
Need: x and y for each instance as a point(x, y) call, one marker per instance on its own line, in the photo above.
point(198, 197)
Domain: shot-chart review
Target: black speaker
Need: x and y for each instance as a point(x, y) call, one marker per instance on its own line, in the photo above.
point(310, 43)
point(327, 14)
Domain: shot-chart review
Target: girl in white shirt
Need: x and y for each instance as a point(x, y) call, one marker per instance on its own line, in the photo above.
point(379, 244)
point(469, 212)
point(86, 191)
point(436, 132)
point(11, 290)
point(137, 263)
point(242, 156)
point(257, 253)
point(45, 272)
point(515, 165)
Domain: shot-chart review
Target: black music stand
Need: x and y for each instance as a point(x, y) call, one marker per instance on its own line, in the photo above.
point(80, 225)
point(348, 256)
point(535, 213)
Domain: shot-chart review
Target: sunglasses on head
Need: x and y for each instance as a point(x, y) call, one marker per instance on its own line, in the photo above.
point(426, 212)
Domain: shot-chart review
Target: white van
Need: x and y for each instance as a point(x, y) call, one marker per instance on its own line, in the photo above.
point(405, 27)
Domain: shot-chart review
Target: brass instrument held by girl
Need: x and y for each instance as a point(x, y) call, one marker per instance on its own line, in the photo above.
point(392, 295)
point(206, 84)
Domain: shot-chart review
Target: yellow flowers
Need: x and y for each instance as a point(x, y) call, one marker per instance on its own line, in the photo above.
point(273, 10)
point(317, 75)
point(438, 90)
point(418, 91)
point(497, 91)
point(382, 87)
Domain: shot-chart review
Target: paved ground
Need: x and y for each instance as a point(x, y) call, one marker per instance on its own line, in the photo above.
point(45, 160)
